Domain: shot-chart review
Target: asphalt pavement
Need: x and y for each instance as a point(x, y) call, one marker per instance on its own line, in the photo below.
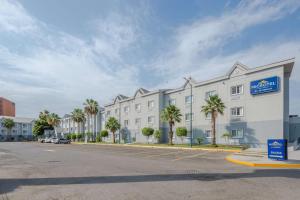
point(36, 171)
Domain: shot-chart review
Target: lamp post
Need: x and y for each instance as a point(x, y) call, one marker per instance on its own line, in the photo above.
point(191, 111)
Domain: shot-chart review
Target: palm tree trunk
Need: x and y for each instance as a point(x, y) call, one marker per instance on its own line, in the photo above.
point(213, 118)
point(113, 133)
point(171, 134)
point(95, 115)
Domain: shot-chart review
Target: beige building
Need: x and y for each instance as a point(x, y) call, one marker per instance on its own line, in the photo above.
point(256, 99)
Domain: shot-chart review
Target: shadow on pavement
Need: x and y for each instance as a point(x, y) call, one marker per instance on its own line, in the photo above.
point(8, 185)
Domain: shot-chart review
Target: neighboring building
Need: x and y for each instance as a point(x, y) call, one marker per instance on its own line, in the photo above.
point(294, 128)
point(68, 125)
point(21, 131)
point(256, 99)
point(7, 108)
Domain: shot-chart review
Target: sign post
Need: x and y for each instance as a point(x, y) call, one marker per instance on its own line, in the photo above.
point(277, 149)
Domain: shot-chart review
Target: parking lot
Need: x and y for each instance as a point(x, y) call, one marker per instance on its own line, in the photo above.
point(57, 171)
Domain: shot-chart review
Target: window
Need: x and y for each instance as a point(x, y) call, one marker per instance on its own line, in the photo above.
point(24, 125)
point(126, 109)
point(237, 90)
point(237, 112)
point(189, 99)
point(108, 113)
point(237, 133)
point(188, 116)
point(126, 123)
point(138, 107)
point(116, 111)
point(210, 93)
point(138, 122)
point(172, 102)
point(207, 133)
point(151, 120)
point(151, 104)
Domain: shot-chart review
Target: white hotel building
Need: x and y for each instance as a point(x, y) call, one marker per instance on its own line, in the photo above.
point(256, 100)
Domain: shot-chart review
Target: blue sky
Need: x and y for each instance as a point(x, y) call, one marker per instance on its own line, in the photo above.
point(56, 53)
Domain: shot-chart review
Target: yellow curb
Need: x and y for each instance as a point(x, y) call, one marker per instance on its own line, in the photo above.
point(271, 165)
point(161, 147)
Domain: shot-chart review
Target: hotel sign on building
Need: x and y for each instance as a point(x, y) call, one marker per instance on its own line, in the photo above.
point(266, 85)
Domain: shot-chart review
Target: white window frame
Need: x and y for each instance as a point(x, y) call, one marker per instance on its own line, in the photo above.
point(108, 113)
point(210, 93)
point(241, 90)
point(172, 100)
point(206, 135)
point(235, 110)
point(151, 117)
point(126, 124)
point(150, 104)
point(238, 136)
point(189, 96)
point(126, 109)
point(138, 122)
point(137, 107)
point(189, 114)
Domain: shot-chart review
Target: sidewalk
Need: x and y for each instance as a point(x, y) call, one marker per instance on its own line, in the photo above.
point(260, 159)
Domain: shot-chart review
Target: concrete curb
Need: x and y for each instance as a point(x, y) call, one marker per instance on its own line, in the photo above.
point(270, 165)
point(160, 147)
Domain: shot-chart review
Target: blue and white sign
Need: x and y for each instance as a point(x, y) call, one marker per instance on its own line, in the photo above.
point(277, 149)
point(266, 85)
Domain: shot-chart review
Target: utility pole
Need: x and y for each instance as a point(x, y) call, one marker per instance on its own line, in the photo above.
point(191, 111)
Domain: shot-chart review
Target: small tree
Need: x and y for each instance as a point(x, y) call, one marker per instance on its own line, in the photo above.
point(8, 124)
point(157, 135)
point(113, 125)
point(171, 114)
point(214, 106)
point(69, 136)
point(98, 138)
point(79, 137)
point(73, 136)
point(147, 131)
point(200, 140)
point(104, 133)
point(226, 136)
point(181, 132)
point(89, 136)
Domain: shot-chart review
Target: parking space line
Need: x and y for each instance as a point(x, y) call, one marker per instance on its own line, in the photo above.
point(190, 156)
point(164, 154)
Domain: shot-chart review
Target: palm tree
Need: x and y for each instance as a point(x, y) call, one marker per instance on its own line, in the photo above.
point(78, 116)
point(214, 106)
point(53, 120)
point(91, 109)
point(8, 124)
point(171, 114)
point(113, 125)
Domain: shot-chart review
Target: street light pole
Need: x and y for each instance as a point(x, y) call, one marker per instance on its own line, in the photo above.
point(191, 112)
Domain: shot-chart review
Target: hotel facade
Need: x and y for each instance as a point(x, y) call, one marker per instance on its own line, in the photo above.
point(256, 100)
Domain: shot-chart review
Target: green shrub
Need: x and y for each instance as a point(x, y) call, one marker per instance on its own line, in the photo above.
point(147, 131)
point(181, 132)
point(69, 137)
point(200, 140)
point(79, 136)
point(133, 139)
point(73, 136)
point(98, 138)
point(104, 133)
point(157, 135)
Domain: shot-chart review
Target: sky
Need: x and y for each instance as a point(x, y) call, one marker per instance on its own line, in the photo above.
point(54, 54)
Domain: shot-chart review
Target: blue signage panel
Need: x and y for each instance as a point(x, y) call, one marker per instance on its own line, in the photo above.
point(277, 149)
point(266, 85)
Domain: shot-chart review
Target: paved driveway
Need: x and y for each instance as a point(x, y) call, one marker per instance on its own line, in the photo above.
point(48, 171)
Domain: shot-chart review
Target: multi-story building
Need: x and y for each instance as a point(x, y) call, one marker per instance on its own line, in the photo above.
point(68, 125)
point(256, 100)
point(7, 108)
point(22, 129)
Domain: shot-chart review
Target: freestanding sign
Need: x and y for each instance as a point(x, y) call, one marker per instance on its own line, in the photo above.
point(277, 149)
point(266, 85)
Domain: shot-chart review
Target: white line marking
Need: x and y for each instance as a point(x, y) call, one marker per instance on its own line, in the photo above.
point(50, 150)
point(191, 156)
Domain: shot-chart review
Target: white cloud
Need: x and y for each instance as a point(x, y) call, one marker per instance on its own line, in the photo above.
point(14, 18)
point(194, 42)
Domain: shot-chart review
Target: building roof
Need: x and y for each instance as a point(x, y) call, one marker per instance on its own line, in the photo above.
point(19, 119)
